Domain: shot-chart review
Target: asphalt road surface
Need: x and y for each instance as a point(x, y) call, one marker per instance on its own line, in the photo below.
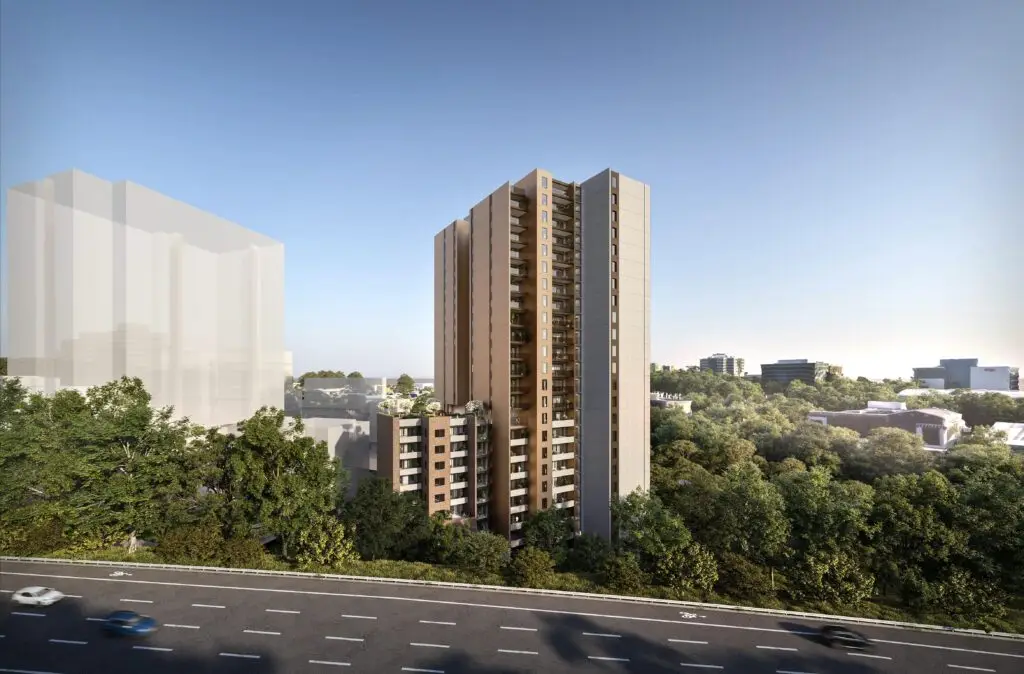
point(219, 622)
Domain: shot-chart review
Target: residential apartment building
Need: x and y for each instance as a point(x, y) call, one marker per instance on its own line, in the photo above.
point(720, 363)
point(542, 310)
point(113, 279)
point(939, 429)
point(809, 372)
point(445, 458)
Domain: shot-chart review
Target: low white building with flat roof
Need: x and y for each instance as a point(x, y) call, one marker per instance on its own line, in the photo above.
point(1014, 434)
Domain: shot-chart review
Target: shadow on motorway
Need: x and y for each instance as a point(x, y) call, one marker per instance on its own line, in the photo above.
point(566, 649)
point(83, 648)
point(807, 632)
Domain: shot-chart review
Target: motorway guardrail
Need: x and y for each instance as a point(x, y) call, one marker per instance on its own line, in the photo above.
point(822, 617)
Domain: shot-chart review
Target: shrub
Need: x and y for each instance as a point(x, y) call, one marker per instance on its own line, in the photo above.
point(324, 542)
point(191, 544)
point(532, 567)
point(242, 553)
point(624, 575)
point(740, 578)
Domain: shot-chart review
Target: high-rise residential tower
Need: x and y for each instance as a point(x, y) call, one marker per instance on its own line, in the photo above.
point(542, 311)
point(112, 279)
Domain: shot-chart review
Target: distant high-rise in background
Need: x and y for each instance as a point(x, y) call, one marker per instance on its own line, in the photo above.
point(965, 373)
point(809, 372)
point(113, 279)
point(720, 363)
point(542, 311)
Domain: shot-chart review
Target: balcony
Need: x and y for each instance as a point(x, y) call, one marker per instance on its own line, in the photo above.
point(516, 241)
point(515, 354)
point(517, 271)
point(518, 416)
point(516, 318)
point(516, 290)
point(565, 503)
point(516, 225)
point(519, 337)
point(564, 488)
point(517, 204)
point(562, 260)
point(518, 509)
point(519, 457)
point(562, 243)
point(561, 308)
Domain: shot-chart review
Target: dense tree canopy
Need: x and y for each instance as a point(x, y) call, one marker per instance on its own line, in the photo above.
point(748, 502)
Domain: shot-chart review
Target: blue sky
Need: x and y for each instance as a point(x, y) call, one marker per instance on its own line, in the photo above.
point(840, 181)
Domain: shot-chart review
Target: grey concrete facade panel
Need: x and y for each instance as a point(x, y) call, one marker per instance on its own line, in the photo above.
point(595, 421)
point(107, 280)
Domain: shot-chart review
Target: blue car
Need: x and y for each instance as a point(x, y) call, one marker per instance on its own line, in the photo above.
point(129, 624)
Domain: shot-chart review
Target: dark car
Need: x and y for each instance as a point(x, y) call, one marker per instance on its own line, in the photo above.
point(129, 624)
point(837, 636)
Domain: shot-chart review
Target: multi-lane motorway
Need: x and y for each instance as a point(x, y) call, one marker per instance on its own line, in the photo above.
point(220, 622)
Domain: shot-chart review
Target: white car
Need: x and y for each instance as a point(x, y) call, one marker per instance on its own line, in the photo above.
point(37, 596)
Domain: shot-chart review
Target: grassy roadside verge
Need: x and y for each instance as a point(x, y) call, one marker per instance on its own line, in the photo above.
point(1012, 622)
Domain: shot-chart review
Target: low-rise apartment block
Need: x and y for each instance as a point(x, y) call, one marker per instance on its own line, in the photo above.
point(443, 457)
point(939, 429)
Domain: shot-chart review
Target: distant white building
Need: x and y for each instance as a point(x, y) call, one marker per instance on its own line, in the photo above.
point(996, 378)
point(1014, 434)
point(912, 392)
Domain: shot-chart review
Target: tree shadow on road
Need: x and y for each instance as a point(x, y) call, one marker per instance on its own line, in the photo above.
point(83, 648)
point(811, 634)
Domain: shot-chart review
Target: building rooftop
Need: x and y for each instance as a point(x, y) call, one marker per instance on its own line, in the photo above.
point(1014, 433)
point(910, 392)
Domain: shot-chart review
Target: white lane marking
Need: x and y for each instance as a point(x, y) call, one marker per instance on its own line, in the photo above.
point(868, 655)
point(973, 669)
point(70, 642)
point(183, 627)
point(281, 610)
point(779, 648)
point(6, 592)
point(24, 671)
point(949, 648)
point(607, 636)
point(100, 620)
point(270, 634)
point(359, 617)
point(152, 648)
point(687, 641)
point(519, 629)
point(429, 645)
point(437, 622)
point(73, 596)
point(28, 614)
point(501, 607)
point(696, 666)
point(343, 638)
point(329, 662)
point(239, 655)
point(505, 650)
point(789, 671)
point(606, 659)
point(422, 671)
point(137, 601)
point(206, 606)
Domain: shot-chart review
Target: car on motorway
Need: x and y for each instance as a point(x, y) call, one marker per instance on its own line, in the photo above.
point(37, 596)
point(837, 636)
point(129, 624)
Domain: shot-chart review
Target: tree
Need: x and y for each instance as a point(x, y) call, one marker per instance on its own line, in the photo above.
point(405, 385)
point(624, 575)
point(3, 366)
point(272, 478)
point(200, 543)
point(643, 527)
point(685, 569)
point(387, 524)
point(549, 530)
point(324, 542)
point(588, 553)
point(532, 567)
point(482, 552)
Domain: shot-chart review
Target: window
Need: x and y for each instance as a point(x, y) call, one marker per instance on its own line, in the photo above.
point(438, 481)
point(544, 182)
point(615, 401)
point(544, 283)
point(544, 199)
point(544, 368)
point(544, 317)
point(544, 333)
point(614, 348)
point(543, 452)
point(544, 469)
point(615, 283)
point(544, 504)
point(615, 182)
point(615, 334)
point(544, 300)
point(615, 317)
point(439, 465)
point(615, 436)
point(543, 384)
point(544, 249)
point(544, 486)
point(544, 434)
point(615, 199)
point(544, 349)
point(438, 432)
point(615, 233)
point(615, 300)
point(615, 266)
point(438, 449)
point(614, 369)
point(543, 216)
point(544, 233)
point(615, 249)
point(544, 420)
point(543, 401)
point(615, 218)
point(615, 418)
point(544, 267)
point(438, 498)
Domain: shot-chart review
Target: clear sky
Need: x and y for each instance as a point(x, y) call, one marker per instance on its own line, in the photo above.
point(841, 181)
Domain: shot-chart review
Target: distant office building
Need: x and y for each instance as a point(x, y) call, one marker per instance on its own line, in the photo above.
point(965, 373)
point(671, 400)
point(113, 279)
point(542, 310)
point(720, 363)
point(939, 429)
point(445, 458)
point(786, 371)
